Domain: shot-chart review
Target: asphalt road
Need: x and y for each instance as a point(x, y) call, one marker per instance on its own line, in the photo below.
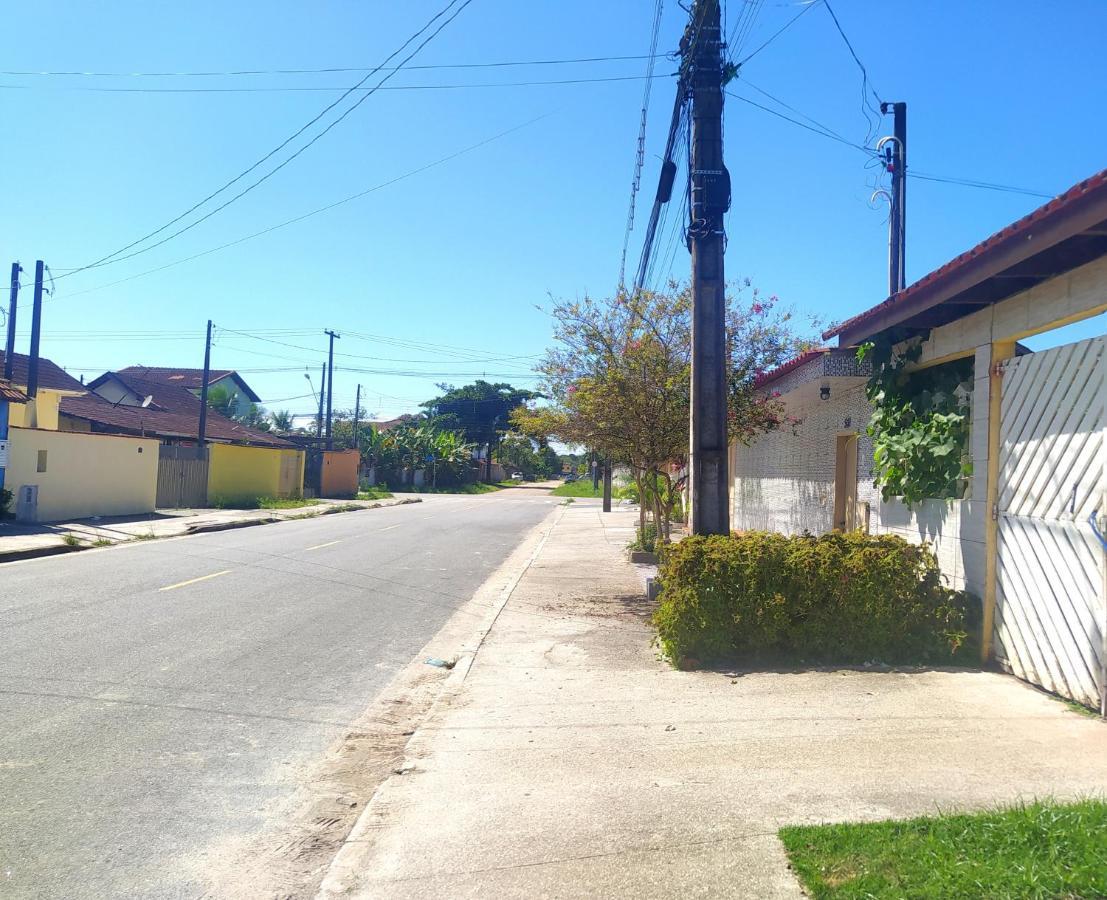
point(152, 695)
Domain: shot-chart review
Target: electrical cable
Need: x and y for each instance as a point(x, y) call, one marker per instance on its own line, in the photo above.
point(866, 85)
point(116, 257)
point(872, 154)
point(640, 149)
point(332, 70)
point(317, 211)
point(778, 33)
point(347, 91)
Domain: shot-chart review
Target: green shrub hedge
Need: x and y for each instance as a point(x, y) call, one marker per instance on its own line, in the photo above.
point(837, 598)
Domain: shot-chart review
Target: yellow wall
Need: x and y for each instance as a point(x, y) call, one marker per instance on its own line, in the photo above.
point(86, 474)
point(239, 473)
point(42, 412)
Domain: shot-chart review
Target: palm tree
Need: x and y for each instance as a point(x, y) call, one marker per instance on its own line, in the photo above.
point(282, 420)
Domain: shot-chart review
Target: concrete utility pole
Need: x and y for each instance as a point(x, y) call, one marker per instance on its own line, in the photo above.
point(202, 432)
point(36, 334)
point(897, 163)
point(357, 413)
point(330, 385)
point(322, 396)
point(9, 347)
point(703, 68)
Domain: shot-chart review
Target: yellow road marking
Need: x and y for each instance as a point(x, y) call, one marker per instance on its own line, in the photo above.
point(321, 546)
point(173, 587)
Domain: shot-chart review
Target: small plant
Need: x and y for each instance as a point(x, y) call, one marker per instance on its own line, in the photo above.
point(645, 539)
point(71, 540)
point(103, 542)
point(378, 492)
point(5, 504)
point(281, 503)
point(147, 536)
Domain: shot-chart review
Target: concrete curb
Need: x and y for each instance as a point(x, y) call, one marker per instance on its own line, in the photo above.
point(36, 552)
point(347, 862)
point(201, 528)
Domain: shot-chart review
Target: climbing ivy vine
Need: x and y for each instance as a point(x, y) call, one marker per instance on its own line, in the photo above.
point(920, 422)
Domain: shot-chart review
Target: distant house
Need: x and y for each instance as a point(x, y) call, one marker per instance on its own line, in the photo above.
point(239, 464)
point(54, 383)
point(126, 402)
point(193, 379)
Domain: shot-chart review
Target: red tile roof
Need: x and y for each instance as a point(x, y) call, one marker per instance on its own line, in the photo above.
point(794, 363)
point(50, 376)
point(173, 413)
point(11, 394)
point(1000, 240)
point(189, 378)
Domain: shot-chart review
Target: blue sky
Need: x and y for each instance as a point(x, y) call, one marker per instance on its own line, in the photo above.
point(446, 271)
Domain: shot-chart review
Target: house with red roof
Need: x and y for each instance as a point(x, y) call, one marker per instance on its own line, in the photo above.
point(236, 464)
point(242, 395)
point(1018, 517)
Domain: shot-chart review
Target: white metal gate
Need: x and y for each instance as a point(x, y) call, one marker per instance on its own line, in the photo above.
point(1050, 603)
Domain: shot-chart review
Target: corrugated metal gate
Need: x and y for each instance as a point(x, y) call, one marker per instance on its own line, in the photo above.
point(182, 477)
point(1050, 603)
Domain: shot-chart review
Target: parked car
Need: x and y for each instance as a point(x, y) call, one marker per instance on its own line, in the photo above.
point(516, 476)
point(570, 478)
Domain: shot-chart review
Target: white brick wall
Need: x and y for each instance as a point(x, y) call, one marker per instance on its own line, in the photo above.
point(784, 481)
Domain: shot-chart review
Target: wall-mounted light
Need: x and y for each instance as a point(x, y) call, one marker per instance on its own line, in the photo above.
point(824, 392)
point(847, 422)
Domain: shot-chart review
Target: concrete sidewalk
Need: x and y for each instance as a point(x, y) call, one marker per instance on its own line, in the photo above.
point(571, 761)
point(22, 541)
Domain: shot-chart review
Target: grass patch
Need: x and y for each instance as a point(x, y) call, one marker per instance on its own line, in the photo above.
point(374, 493)
point(262, 502)
point(286, 503)
point(148, 536)
point(477, 488)
point(103, 542)
point(71, 540)
point(1079, 708)
point(1037, 850)
point(583, 488)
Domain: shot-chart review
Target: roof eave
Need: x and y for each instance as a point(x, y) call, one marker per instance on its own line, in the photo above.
point(1081, 213)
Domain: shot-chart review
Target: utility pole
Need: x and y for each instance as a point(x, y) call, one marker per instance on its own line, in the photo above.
point(896, 162)
point(322, 395)
point(330, 386)
point(357, 413)
point(203, 430)
point(607, 485)
point(703, 72)
point(36, 333)
point(9, 347)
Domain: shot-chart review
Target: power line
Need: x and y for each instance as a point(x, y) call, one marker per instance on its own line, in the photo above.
point(334, 69)
point(825, 132)
point(317, 89)
point(116, 257)
point(866, 84)
point(778, 32)
point(819, 131)
point(640, 149)
point(986, 185)
point(317, 211)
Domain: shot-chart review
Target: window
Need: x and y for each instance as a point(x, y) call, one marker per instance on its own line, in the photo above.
point(41, 461)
